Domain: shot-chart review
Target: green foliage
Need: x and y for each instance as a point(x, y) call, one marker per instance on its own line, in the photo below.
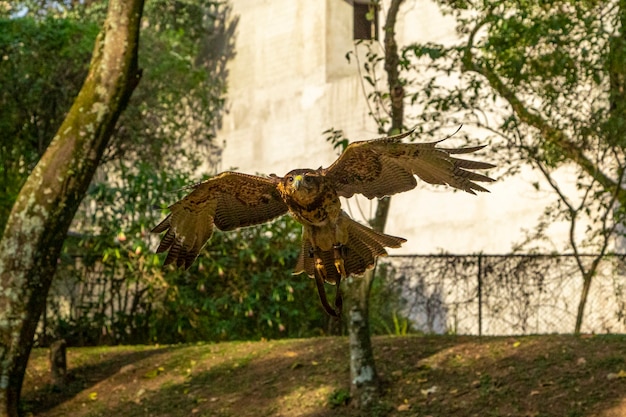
point(110, 277)
point(241, 287)
point(111, 287)
point(336, 138)
point(339, 398)
point(43, 63)
point(176, 108)
point(536, 75)
point(173, 113)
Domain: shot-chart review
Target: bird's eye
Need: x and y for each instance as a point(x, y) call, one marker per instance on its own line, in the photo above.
point(290, 179)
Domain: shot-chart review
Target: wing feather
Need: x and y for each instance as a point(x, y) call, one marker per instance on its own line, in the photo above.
point(386, 166)
point(227, 201)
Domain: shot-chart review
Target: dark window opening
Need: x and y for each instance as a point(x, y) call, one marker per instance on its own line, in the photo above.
point(365, 20)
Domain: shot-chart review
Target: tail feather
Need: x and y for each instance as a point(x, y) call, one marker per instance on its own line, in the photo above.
point(359, 253)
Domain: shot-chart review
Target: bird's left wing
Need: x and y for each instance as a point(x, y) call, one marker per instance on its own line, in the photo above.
point(386, 166)
point(227, 201)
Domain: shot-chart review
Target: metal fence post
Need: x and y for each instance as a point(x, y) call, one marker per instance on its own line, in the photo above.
point(480, 294)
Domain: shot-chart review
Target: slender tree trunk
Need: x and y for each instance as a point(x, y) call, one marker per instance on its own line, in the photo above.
point(47, 202)
point(392, 67)
point(364, 380)
point(584, 294)
point(58, 363)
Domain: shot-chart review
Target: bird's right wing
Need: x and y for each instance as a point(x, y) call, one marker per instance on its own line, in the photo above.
point(227, 201)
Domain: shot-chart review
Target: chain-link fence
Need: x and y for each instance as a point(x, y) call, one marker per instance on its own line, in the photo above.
point(508, 294)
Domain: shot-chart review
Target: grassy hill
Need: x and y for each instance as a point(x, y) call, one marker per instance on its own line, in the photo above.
point(562, 376)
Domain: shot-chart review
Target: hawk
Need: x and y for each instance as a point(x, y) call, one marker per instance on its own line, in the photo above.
point(334, 246)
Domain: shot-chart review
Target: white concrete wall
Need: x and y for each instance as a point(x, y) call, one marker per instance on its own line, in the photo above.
point(289, 82)
point(279, 98)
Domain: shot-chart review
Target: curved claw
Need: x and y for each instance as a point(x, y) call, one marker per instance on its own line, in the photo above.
point(338, 254)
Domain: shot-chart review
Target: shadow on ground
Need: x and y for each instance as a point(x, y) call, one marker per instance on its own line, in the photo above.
point(40, 395)
point(434, 375)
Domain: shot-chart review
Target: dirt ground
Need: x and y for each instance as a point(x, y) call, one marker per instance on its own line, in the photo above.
point(562, 376)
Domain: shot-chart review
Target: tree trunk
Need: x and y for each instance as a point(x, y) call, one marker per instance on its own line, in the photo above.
point(47, 202)
point(584, 294)
point(58, 363)
point(364, 380)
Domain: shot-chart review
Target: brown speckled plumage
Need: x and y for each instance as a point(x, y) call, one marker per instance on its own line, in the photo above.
point(333, 245)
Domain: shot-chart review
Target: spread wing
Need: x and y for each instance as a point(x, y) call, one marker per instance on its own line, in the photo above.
point(386, 166)
point(227, 201)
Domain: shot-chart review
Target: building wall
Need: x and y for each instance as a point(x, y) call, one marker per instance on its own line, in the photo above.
point(280, 100)
point(290, 81)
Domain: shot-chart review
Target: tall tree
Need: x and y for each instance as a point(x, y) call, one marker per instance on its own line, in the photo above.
point(364, 380)
point(44, 208)
point(546, 81)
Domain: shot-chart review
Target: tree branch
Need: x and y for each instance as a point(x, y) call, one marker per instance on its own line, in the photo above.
point(555, 137)
point(392, 67)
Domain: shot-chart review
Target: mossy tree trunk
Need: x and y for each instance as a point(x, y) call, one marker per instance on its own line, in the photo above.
point(46, 204)
point(364, 380)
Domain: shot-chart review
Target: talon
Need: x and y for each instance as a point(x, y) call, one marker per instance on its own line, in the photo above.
point(338, 252)
point(340, 267)
point(319, 267)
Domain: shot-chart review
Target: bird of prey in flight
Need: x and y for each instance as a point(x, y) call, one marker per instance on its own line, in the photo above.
point(333, 245)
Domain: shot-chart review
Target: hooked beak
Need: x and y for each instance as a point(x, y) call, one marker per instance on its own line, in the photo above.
point(297, 180)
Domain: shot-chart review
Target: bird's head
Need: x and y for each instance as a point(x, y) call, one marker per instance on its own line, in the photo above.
point(302, 184)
